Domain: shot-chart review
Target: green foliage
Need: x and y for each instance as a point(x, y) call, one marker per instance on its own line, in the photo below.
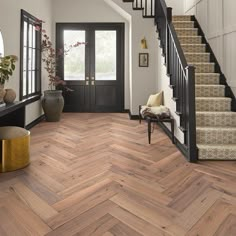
point(7, 66)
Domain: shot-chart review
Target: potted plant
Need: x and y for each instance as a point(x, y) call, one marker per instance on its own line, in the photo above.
point(53, 101)
point(7, 66)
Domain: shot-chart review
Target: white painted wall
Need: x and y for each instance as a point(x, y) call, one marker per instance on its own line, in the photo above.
point(142, 79)
point(163, 82)
point(218, 20)
point(177, 6)
point(10, 27)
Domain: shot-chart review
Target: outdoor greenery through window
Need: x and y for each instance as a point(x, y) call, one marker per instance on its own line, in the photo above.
point(30, 57)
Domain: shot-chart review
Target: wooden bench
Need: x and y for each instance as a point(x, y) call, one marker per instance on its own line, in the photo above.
point(156, 119)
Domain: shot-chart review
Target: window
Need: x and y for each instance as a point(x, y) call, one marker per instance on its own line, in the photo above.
point(30, 68)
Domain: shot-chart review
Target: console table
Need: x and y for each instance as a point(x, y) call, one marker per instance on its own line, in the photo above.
point(14, 114)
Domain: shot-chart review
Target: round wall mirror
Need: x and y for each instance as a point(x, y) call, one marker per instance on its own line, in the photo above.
point(1, 46)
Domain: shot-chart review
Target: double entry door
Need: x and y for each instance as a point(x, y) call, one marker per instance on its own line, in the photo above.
point(94, 70)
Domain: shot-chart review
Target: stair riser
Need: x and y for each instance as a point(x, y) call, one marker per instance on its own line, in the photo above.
point(181, 18)
point(197, 57)
point(204, 68)
point(189, 25)
point(207, 79)
point(209, 105)
point(216, 136)
point(216, 120)
point(190, 32)
point(194, 49)
point(215, 154)
point(190, 40)
point(209, 92)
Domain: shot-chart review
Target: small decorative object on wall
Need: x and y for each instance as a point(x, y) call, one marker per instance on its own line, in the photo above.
point(144, 43)
point(143, 59)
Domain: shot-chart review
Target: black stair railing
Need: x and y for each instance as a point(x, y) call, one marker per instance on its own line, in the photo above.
point(147, 6)
point(182, 77)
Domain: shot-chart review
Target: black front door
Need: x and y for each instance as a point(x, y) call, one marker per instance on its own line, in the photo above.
point(94, 71)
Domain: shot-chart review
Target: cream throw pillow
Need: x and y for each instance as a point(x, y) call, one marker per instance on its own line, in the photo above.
point(155, 100)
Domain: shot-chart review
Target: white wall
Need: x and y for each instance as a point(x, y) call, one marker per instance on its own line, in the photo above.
point(163, 82)
point(177, 6)
point(10, 27)
point(218, 20)
point(142, 79)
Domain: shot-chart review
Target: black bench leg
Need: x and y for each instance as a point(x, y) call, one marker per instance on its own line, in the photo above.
point(149, 131)
point(139, 113)
point(173, 131)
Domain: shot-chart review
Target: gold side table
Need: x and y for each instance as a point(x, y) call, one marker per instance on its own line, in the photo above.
point(14, 148)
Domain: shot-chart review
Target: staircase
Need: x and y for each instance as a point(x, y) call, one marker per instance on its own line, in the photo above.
point(215, 122)
point(212, 130)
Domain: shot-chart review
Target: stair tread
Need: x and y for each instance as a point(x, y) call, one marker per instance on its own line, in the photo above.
point(210, 85)
point(188, 29)
point(197, 53)
point(213, 98)
point(217, 146)
point(182, 21)
point(202, 63)
point(207, 74)
point(190, 36)
point(193, 44)
point(216, 112)
point(217, 151)
point(216, 128)
point(182, 15)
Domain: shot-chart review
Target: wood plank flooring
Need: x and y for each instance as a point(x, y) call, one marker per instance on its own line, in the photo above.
point(95, 174)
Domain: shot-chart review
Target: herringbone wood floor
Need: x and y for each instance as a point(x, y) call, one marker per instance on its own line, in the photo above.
point(95, 174)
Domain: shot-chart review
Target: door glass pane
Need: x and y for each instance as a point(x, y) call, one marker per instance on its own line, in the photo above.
point(25, 33)
point(105, 51)
point(24, 83)
point(30, 35)
point(74, 61)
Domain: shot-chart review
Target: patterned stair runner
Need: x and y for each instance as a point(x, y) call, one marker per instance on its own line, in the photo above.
point(216, 123)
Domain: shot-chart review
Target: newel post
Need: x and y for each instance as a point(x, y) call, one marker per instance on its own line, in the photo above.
point(191, 114)
point(169, 14)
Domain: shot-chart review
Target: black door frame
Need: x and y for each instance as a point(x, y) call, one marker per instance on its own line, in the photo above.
point(91, 27)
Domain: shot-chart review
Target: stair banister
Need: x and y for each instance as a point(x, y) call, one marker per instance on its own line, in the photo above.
point(182, 77)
